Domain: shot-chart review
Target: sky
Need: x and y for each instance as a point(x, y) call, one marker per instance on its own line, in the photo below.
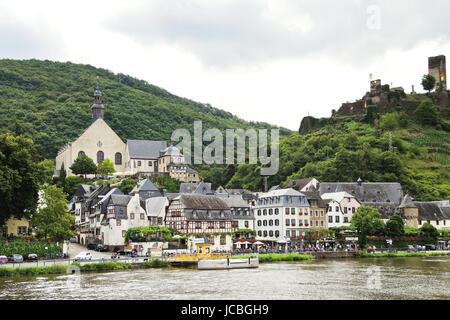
point(275, 61)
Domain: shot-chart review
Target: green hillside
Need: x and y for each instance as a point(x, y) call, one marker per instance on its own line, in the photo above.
point(344, 148)
point(50, 103)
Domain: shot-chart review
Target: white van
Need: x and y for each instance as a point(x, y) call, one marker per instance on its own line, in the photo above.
point(83, 256)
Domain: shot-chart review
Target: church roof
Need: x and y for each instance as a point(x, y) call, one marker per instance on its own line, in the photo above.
point(144, 185)
point(145, 149)
point(171, 151)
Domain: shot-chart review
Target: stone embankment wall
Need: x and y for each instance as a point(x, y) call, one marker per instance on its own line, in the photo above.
point(333, 255)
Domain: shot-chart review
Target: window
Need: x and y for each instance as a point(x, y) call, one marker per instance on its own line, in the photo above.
point(150, 164)
point(139, 163)
point(259, 212)
point(321, 213)
point(288, 233)
point(211, 225)
point(306, 223)
point(292, 210)
point(317, 223)
point(265, 212)
point(293, 222)
point(160, 220)
point(270, 233)
point(265, 223)
point(270, 212)
point(336, 219)
point(277, 211)
point(100, 157)
point(321, 223)
point(277, 222)
point(132, 216)
point(353, 210)
point(317, 213)
point(123, 233)
point(259, 223)
point(21, 230)
point(277, 233)
point(337, 209)
point(142, 216)
point(345, 210)
point(286, 211)
point(270, 223)
point(265, 233)
point(345, 220)
point(260, 233)
point(288, 222)
point(118, 158)
point(222, 224)
point(118, 222)
point(246, 224)
point(198, 225)
point(80, 153)
point(437, 222)
point(293, 233)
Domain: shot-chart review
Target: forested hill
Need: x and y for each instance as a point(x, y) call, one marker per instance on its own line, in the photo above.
point(347, 147)
point(50, 102)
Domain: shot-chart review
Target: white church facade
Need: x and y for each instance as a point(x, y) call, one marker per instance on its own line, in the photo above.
point(100, 142)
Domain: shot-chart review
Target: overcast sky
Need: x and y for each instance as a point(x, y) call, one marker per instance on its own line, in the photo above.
point(274, 61)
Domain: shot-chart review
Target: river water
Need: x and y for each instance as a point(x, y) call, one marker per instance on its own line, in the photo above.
point(361, 279)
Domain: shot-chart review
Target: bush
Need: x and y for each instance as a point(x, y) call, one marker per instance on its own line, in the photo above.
point(25, 248)
point(155, 263)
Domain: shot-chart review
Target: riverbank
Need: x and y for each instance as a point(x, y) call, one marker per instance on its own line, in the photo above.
point(267, 258)
point(400, 255)
point(90, 267)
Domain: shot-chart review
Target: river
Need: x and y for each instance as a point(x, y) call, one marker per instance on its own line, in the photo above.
point(355, 279)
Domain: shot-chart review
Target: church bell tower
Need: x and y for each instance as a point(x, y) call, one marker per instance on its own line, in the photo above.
point(97, 108)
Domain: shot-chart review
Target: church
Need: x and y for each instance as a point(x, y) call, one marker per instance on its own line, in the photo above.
point(147, 157)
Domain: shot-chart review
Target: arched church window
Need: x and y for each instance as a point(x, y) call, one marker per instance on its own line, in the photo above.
point(80, 153)
point(118, 158)
point(100, 156)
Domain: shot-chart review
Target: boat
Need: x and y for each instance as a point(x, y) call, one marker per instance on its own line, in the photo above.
point(224, 264)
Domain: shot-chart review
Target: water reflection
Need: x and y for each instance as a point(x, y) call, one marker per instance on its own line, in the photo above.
point(399, 278)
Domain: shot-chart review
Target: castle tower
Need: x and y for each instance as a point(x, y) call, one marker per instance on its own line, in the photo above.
point(97, 108)
point(437, 67)
point(410, 212)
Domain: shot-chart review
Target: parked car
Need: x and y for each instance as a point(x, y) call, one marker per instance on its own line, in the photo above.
point(430, 247)
point(17, 258)
point(73, 240)
point(3, 259)
point(92, 246)
point(83, 256)
point(32, 257)
point(102, 248)
point(127, 252)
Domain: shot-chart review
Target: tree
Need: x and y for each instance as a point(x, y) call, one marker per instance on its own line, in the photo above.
point(106, 168)
point(430, 232)
point(428, 82)
point(427, 113)
point(367, 221)
point(126, 185)
point(395, 226)
point(52, 221)
point(21, 176)
point(47, 169)
point(84, 165)
point(72, 184)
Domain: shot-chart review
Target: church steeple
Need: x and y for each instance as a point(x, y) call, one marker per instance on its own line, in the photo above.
point(97, 108)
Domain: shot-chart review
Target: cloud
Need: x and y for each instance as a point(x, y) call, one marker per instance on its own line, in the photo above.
point(227, 33)
point(22, 38)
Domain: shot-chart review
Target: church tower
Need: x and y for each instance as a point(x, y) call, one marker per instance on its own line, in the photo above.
point(97, 108)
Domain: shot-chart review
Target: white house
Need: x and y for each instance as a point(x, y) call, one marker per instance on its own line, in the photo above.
point(281, 215)
point(344, 203)
point(123, 212)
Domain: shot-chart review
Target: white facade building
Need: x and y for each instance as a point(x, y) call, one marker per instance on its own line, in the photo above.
point(281, 215)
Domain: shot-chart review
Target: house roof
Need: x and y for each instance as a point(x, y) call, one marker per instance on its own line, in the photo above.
point(235, 201)
point(171, 151)
point(315, 195)
point(277, 187)
point(144, 185)
point(407, 202)
point(238, 191)
point(203, 202)
point(337, 196)
point(171, 196)
point(433, 210)
point(119, 200)
point(299, 183)
point(281, 192)
point(196, 187)
point(388, 192)
point(145, 149)
point(154, 206)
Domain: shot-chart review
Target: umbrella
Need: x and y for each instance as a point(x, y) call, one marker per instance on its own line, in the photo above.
point(259, 243)
point(177, 236)
point(281, 241)
point(245, 242)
